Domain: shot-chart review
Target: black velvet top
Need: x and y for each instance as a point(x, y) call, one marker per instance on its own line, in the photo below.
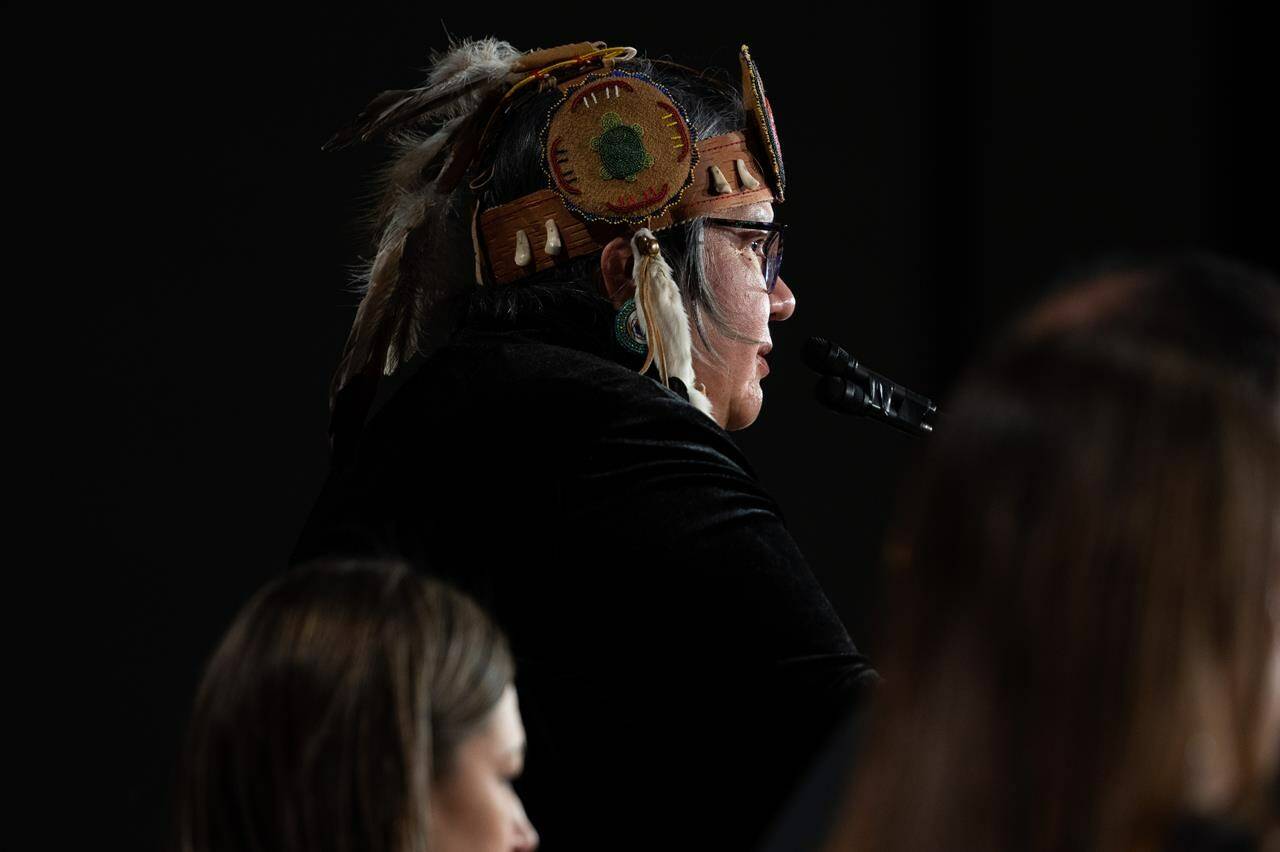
point(677, 663)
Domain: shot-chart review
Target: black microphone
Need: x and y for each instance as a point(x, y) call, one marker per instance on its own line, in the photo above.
point(850, 388)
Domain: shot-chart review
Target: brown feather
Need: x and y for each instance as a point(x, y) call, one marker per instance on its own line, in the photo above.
point(405, 315)
point(394, 108)
point(371, 332)
point(465, 144)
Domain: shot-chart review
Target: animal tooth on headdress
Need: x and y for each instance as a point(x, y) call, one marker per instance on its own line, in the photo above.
point(523, 252)
point(745, 178)
point(553, 245)
point(721, 183)
point(663, 319)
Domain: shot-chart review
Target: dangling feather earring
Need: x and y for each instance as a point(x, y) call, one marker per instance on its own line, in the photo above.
point(663, 318)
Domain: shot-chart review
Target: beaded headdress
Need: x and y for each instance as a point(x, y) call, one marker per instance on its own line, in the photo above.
point(620, 159)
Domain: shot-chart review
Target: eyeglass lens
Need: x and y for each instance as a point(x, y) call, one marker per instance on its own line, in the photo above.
point(773, 260)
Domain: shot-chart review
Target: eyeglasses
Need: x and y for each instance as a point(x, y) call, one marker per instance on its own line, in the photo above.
point(772, 249)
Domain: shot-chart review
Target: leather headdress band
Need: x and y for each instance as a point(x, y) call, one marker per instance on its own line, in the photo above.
point(620, 155)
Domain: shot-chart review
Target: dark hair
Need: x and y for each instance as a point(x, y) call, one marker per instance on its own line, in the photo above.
point(336, 697)
point(1090, 552)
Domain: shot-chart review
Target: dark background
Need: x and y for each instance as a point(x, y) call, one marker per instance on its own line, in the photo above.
point(945, 162)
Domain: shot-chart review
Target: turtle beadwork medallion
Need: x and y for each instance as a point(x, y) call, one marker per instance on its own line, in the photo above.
point(618, 148)
point(621, 149)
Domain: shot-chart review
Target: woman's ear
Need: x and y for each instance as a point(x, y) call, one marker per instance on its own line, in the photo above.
point(615, 271)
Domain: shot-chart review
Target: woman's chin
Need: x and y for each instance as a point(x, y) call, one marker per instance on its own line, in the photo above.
point(746, 410)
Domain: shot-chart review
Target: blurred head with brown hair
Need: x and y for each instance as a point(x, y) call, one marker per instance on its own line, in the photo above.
point(355, 707)
point(1083, 639)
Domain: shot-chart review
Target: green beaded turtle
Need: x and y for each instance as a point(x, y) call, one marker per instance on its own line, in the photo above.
point(621, 151)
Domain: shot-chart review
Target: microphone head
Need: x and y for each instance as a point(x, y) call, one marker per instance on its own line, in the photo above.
point(823, 356)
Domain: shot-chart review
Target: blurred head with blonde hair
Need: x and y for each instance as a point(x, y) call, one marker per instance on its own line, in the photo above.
point(1083, 647)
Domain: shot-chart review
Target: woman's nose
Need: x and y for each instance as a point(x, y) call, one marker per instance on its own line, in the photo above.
point(527, 841)
point(526, 834)
point(782, 302)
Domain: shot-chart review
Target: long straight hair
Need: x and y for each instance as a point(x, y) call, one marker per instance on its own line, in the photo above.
point(336, 697)
point(1082, 579)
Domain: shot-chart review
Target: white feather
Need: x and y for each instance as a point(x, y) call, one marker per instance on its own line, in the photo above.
point(656, 287)
point(466, 61)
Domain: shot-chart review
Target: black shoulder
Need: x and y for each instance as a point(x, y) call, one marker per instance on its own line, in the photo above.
point(539, 391)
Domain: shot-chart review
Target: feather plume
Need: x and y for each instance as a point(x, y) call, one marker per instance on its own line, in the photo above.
point(420, 153)
point(662, 317)
point(410, 290)
point(414, 211)
point(378, 318)
point(459, 79)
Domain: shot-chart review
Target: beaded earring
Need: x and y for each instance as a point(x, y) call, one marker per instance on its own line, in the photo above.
point(627, 330)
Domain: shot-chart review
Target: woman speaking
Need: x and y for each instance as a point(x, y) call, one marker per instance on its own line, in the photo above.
point(576, 270)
